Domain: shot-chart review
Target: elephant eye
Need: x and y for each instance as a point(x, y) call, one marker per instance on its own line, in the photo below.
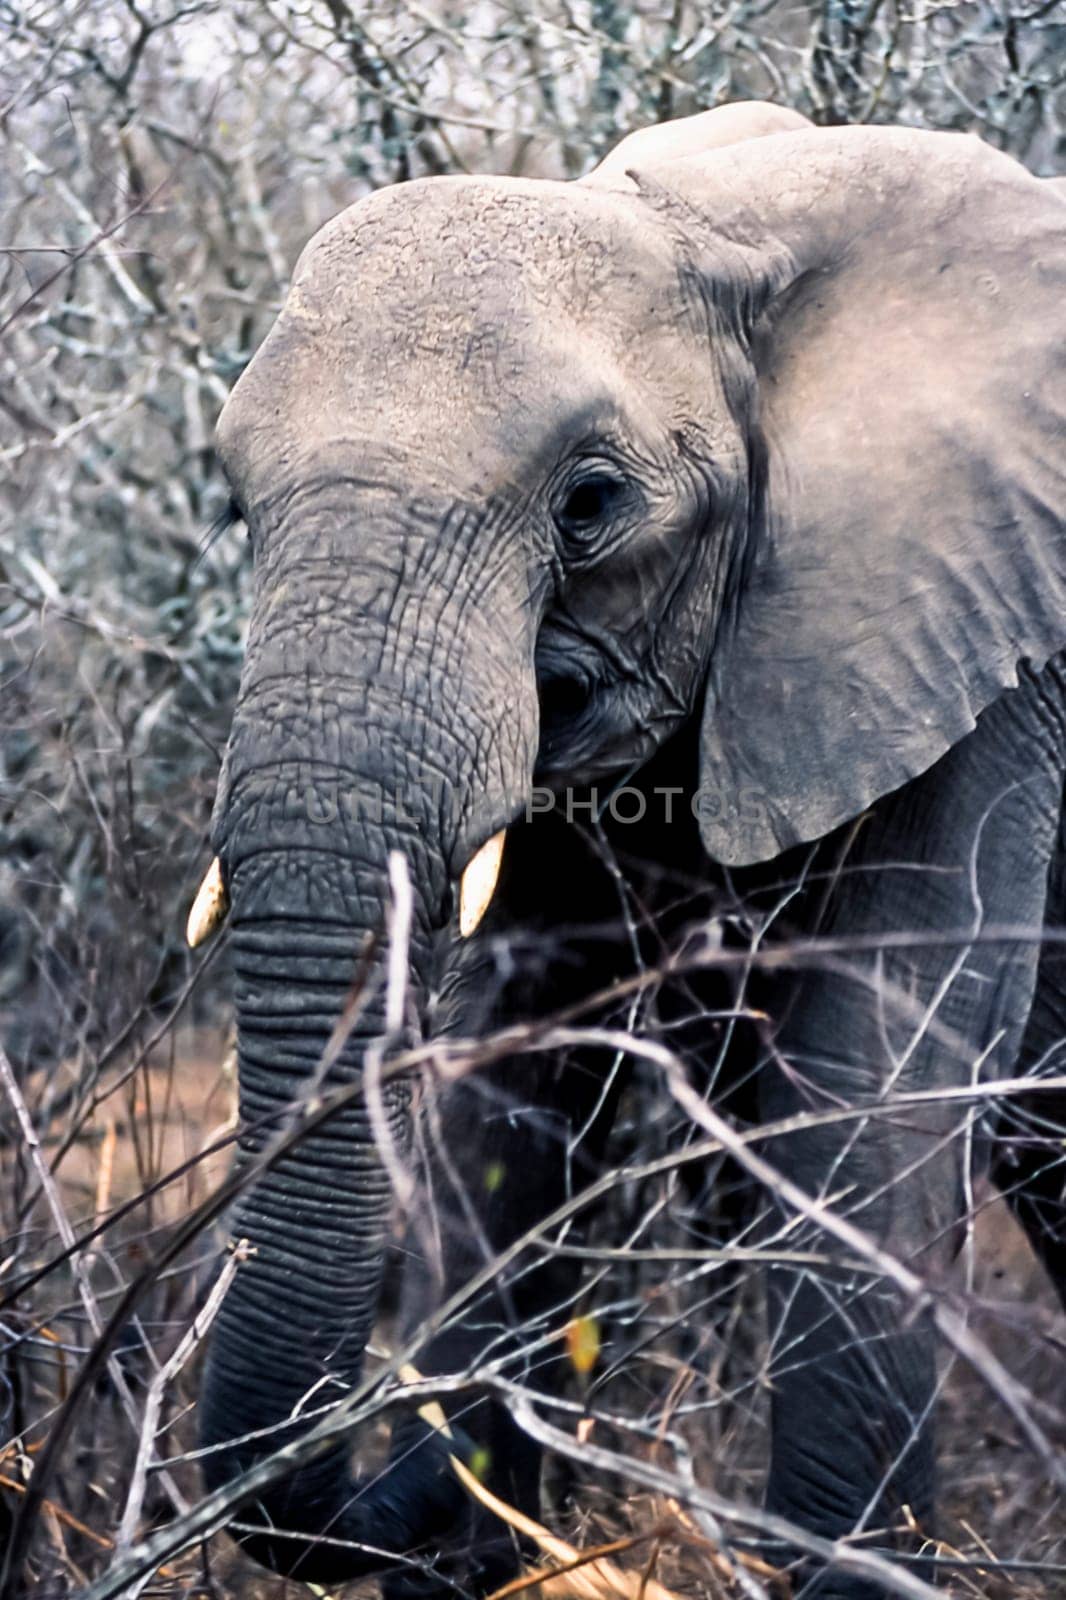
point(589, 502)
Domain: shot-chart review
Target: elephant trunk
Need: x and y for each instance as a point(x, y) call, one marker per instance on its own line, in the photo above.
point(331, 767)
point(291, 1333)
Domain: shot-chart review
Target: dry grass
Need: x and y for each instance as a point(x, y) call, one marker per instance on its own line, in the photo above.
point(996, 1504)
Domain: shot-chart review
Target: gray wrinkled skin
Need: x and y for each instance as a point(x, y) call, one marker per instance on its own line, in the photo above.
point(754, 435)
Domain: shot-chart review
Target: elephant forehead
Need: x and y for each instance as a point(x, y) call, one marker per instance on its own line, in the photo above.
point(483, 244)
point(448, 307)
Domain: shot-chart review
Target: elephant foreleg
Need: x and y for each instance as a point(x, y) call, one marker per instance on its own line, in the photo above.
point(509, 1154)
point(947, 860)
point(504, 1147)
point(1029, 1147)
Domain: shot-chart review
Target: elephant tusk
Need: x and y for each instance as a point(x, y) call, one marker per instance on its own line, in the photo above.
point(209, 908)
point(478, 884)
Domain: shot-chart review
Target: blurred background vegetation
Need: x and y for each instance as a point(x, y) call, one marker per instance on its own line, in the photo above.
point(161, 165)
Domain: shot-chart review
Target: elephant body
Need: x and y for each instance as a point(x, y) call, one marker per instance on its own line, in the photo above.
point(734, 471)
point(967, 864)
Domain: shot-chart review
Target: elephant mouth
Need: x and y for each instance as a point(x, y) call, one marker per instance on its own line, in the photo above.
point(564, 698)
point(599, 715)
point(614, 729)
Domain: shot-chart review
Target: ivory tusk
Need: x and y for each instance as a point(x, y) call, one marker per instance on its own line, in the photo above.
point(478, 883)
point(209, 908)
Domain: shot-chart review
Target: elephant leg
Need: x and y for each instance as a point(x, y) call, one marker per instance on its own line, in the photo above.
point(503, 1148)
point(1028, 1161)
point(947, 859)
point(509, 1154)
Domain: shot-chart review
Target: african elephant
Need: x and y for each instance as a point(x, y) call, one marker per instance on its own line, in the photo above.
point(739, 462)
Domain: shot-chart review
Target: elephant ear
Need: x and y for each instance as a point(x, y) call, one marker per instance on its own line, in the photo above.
point(895, 305)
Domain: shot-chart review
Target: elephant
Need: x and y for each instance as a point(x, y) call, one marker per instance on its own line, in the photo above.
point(732, 470)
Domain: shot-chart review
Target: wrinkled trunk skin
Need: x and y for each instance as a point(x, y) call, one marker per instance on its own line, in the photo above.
point(335, 760)
point(301, 1308)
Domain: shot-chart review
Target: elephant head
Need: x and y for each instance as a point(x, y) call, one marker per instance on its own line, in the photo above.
point(757, 432)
